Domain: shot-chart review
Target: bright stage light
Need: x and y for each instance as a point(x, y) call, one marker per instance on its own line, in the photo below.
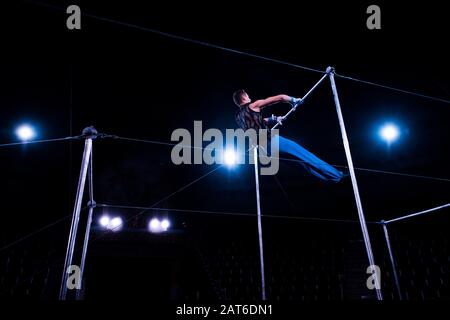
point(25, 132)
point(157, 226)
point(230, 157)
point(389, 132)
point(104, 221)
point(114, 224)
point(154, 225)
point(165, 224)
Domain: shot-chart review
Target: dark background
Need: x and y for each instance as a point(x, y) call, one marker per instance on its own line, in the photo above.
point(134, 83)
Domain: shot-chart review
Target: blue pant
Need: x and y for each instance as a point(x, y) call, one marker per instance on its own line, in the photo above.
point(312, 164)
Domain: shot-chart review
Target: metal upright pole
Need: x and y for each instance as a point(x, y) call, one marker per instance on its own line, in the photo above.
point(260, 238)
point(362, 219)
point(91, 205)
point(76, 216)
point(391, 256)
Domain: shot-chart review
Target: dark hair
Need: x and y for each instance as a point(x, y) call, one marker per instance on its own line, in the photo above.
point(237, 96)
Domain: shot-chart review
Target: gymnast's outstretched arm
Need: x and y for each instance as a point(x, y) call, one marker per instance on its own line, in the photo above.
point(262, 103)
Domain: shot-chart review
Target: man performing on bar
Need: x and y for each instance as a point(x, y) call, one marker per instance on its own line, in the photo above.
point(249, 117)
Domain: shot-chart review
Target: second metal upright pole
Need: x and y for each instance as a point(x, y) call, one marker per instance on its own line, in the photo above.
point(362, 219)
point(260, 238)
point(391, 256)
point(76, 216)
point(91, 205)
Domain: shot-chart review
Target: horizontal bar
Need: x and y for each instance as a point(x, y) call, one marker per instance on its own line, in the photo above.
point(304, 97)
point(417, 213)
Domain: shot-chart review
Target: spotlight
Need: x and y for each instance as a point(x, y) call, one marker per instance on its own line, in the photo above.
point(25, 132)
point(115, 224)
point(230, 157)
point(104, 221)
point(389, 132)
point(165, 224)
point(154, 225)
point(157, 226)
